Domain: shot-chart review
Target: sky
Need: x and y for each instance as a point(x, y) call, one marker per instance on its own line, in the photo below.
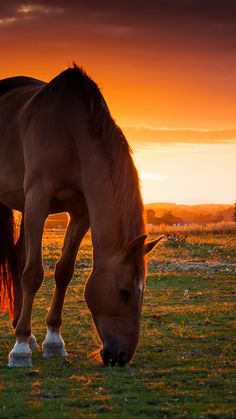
point(166, 69)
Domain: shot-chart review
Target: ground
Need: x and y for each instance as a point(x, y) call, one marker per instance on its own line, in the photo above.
point(185, 363)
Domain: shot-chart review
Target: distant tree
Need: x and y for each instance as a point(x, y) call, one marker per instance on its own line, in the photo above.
point(169, 218)
point(150, 216)
point(235, 211)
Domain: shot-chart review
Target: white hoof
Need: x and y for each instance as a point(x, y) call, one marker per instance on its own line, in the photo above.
point(20, 356)
point(33, 342)
point(54, 345)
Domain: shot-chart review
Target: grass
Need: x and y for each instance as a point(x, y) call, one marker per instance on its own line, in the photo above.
point(185, 363)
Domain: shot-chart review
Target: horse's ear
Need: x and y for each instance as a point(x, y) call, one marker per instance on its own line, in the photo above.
point(135, 246)
point(150, 245)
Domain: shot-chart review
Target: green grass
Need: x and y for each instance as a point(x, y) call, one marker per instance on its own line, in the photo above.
point(185, 363)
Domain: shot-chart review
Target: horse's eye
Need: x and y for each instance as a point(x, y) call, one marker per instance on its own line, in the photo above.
point(125, 294)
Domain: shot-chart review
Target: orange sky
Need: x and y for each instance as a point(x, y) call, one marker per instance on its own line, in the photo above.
point(166, 69)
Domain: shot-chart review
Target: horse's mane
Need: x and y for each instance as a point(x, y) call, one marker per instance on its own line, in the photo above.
point(116, 150)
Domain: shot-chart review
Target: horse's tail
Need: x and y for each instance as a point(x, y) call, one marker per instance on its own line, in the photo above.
point(7, 260)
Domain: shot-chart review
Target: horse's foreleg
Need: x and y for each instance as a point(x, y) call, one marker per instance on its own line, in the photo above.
point(77, 227)
point(36, 211)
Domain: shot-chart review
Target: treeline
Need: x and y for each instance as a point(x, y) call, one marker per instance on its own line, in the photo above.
point(170, 214)
point(193, 214)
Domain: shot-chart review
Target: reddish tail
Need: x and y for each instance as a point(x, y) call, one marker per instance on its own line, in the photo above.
point(7, 259)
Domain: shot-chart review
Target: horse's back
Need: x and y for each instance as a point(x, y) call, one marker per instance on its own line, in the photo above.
point(11, 83)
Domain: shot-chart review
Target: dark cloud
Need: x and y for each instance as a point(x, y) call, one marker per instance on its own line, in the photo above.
point(150, 26)
point(214, 9)
point(153, 12)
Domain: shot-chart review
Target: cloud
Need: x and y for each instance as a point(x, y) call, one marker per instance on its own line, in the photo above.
point(29, 9)
point(142, 134)
point(7, 21)
point(12, 15)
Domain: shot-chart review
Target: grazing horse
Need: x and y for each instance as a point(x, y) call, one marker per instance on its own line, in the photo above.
point(60, 150)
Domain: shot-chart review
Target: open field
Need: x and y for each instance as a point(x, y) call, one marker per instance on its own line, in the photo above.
point(222, 227)
point(185, 363)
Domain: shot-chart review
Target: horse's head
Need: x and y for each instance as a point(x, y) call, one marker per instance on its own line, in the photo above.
point(114, 294)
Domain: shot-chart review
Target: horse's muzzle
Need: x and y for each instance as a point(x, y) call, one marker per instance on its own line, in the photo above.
point(114, 357)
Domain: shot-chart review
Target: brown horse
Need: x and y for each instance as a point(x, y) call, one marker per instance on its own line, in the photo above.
point(60, 150)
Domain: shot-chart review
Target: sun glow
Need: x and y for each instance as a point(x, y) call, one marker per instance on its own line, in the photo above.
point(187, 173)
point(152, 176)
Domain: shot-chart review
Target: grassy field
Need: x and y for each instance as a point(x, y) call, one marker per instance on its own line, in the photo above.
point(185, 363)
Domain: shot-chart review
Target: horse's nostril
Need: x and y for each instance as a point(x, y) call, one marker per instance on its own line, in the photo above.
point(122, 358)
point(109, 356)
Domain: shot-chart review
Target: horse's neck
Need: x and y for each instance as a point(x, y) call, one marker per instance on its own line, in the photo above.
point(105, 223)
point(108, 221)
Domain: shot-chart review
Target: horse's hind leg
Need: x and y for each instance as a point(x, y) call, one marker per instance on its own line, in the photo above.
point(20, 263)
point(36, 211)
point(18, 267)
point(77, 227)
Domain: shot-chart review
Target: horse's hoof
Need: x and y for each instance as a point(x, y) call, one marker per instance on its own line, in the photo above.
point(54, 349)
point(54, 345)
point(20, 356)
point(33, 342)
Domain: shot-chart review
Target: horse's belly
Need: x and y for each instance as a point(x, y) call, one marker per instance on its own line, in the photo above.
point(14, 199)
point(64, 201)
point(11, 182)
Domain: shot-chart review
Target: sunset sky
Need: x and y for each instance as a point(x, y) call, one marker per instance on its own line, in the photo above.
point(167, 69)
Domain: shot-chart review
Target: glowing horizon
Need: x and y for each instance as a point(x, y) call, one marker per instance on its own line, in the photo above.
point(195, 180)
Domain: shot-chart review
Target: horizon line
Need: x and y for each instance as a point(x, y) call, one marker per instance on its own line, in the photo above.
point(188, 204)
